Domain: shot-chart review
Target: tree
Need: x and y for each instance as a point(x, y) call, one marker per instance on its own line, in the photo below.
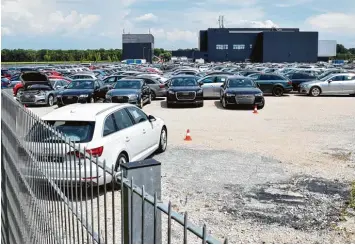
point(341, 49)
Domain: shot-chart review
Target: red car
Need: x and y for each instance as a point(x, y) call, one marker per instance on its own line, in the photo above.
point(19, 86)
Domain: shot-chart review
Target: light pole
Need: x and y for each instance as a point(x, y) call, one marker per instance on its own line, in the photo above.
point(143, 52)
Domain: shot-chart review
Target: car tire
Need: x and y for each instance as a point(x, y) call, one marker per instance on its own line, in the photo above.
point(122, 158)
point(150, 99)
point(140, 103)
point(92, 100)
point(352, 95)
point(315, 91)
point(59, 105)
point(220, 98)
point(154, 96)
point(277, 91)
point(163, 140)
point(50, 100)
point(262, 105)
point(200, 104)
point(224, 103)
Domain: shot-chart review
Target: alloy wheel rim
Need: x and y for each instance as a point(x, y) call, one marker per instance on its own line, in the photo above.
point(224, 102)
point(163, 140)
point(315, 91)
point(92, 100)
point(141, 103)
point(122, 160)
point(50, 100)
point(278, 91)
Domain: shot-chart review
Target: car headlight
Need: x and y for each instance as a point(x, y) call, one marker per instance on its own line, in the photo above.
point(171, 92)
point(199, 91)
point(59, 95)
point(84, 96)
point(133, 97)
point(259, 94)
point(230, 95)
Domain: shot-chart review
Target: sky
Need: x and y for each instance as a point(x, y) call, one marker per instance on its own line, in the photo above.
point(91, 24)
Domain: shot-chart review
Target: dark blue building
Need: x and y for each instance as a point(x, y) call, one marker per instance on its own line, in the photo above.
point(256, 45)
point(138, 46)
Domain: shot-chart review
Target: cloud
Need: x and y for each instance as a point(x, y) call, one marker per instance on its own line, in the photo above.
point(41, 17)
point(291, 3)
point(147, 17)
point(340, 23)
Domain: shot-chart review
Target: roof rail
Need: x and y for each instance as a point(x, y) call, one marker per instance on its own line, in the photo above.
point(106, 109)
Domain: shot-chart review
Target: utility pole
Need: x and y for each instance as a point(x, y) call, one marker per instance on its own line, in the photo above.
point(221, 21)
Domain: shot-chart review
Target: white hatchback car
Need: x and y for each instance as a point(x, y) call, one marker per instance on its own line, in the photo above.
point(116, 133)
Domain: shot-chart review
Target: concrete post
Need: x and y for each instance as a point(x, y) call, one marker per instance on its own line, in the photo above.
point(147, 173)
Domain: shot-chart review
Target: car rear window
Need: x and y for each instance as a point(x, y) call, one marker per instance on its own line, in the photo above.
point(75, 131)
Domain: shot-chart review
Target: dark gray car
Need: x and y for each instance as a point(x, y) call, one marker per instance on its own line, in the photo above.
point(158, 88)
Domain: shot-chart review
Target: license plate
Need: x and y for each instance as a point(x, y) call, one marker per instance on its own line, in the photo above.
point(70, 97)
point(186, 93)
point(27, 95)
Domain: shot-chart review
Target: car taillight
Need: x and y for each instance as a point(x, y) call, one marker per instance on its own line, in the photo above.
point(161, 86)
point(289, 82)
point(95, 152)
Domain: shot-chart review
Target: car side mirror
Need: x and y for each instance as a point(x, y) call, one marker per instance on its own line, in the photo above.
point(66, 86)
point(151, 118)
point(201, 83)
point(97, 88)
point(258, 85)
point(222, 85)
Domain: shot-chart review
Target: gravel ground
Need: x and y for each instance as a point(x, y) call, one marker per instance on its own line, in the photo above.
point(281, 176)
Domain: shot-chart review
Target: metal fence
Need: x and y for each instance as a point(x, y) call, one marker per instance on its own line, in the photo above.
point(55, 192)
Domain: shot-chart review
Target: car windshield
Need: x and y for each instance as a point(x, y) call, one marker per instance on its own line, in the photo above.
point(128, 84)
point(42, 87)
point(237, 83)
point(75, 131)
point(81, 85)
point(183, 82)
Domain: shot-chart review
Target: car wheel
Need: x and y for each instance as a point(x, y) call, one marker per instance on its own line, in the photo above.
point(150, 99)
point(122, 158)
point(262, 105)
point(315, 91)
point(352, 95)
point(200, 104)
point(59, 105)
point(163, 143)
point(92, 100)
point(140, 103)
point(154, 96)
point(277, 91)
point(50, 101)
point(224, 103)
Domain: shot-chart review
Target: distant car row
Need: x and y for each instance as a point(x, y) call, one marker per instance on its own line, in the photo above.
point(182, 89)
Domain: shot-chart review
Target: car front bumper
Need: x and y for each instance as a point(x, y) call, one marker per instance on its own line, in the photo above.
point(257, 100)
point(33, 100)
point(303, 90)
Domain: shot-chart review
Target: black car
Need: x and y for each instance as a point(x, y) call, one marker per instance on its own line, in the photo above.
point(111, 80)
point(184, 90)
point(134, 91)
point(238, 90)
point(82, 91)
point(300, 77)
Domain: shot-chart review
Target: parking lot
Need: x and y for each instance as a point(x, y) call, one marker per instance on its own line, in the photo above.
point(280, 176)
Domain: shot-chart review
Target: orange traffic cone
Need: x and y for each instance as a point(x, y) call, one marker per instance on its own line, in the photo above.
point(255, 109)
point(188, 137)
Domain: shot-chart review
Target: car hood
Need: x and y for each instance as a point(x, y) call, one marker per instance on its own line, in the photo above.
point(76, 91)
point(244, 90)
point(188, 88)
point(114, 92)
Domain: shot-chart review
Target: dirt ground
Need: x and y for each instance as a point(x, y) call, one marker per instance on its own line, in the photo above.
point(280, 176)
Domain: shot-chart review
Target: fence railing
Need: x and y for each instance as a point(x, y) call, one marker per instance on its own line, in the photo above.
point(55, 192)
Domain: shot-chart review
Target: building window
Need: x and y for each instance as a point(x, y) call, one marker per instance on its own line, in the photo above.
point(251, 46)
point(238, 46)
point(222, 46)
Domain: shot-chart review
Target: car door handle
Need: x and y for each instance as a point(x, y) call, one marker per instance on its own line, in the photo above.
point(127, 139)
point(144, 131)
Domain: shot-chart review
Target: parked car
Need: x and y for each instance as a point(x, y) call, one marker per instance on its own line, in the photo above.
point(272, 83)
point(184, 89)
point(134, 91)
point(332, 84)
point(157, 87)
point(5, 82)
point(59, 83)
point(83, 76)
point(211, 85)
point(111, 80)
point(238, 90)
point(82, 91)
point(299, 78)
point(114, 133)
point(37, 90)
